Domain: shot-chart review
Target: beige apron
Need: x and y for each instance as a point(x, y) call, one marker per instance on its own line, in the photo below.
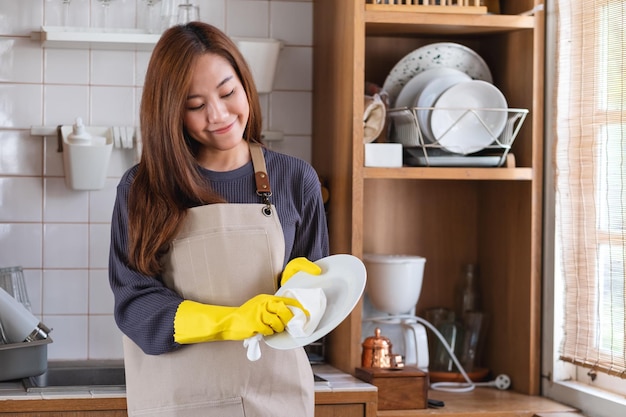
point(224, 254)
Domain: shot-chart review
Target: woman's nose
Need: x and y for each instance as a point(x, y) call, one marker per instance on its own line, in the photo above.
point(216, 112)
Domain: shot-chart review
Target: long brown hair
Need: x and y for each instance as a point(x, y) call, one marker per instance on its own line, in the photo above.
point(168, 180)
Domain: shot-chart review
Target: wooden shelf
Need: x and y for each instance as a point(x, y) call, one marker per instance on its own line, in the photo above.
point(514, 174)
point(94, 38)
point(384, 23)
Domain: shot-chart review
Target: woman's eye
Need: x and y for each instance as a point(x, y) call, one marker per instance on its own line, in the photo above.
point(230, 93)
point(193, 108)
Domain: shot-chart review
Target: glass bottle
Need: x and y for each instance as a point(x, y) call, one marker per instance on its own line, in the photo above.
point(471, 317)
point(468, 296)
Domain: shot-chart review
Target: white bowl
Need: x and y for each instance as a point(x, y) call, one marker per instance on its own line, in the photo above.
point(468, 117)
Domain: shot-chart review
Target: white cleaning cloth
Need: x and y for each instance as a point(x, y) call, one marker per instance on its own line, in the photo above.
point(373, 118)
point(312, 299)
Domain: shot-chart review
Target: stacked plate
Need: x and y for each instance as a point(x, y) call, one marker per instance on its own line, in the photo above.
point(450, 101)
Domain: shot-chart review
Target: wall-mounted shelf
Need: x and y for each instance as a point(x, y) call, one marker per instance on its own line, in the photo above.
point(95, 38)
point(266, 135)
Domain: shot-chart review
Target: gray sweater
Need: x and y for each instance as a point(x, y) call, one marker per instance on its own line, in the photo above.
point(145, 308)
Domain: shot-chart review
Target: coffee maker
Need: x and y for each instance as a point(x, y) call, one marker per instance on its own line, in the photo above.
point(394, 284)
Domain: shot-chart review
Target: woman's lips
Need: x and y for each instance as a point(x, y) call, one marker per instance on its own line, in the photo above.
point(224, 129)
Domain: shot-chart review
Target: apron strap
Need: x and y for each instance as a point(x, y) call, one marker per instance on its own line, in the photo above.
point(261, 178)
point(260, 170)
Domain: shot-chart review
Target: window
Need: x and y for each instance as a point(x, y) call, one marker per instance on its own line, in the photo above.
point(584, 361)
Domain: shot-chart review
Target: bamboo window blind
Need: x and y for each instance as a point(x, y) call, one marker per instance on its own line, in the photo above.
point(590, 162)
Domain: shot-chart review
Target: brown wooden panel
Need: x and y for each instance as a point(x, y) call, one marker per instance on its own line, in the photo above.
point(340, 410)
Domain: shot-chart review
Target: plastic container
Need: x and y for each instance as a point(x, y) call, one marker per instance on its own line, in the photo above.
point(262, 56)
point(22, 360)
point(86, 156)
point(394, 282)
point(387, 155)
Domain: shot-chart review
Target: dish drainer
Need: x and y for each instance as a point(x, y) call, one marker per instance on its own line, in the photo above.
point(420, 151)
point(427, 6)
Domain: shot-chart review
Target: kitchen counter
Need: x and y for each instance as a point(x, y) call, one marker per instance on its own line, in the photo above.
point(339, 389)
point(336, 381)
point(341, 394)
point(484, 401)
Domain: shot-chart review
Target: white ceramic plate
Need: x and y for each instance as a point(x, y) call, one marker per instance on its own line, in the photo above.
point(431, 93)
point(441, 54)
point(411, 91)
point(343, 280)
point(463, 132)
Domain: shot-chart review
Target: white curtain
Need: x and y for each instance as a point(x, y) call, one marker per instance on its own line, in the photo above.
point(590, 165)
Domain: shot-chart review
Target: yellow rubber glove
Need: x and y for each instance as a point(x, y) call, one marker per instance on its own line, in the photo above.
point(265, 314)
point(297, 265)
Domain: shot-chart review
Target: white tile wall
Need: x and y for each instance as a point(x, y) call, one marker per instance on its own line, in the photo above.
point(60, 236)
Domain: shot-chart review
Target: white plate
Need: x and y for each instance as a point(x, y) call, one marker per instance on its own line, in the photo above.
point(431, 93)
point(343, 280)
point(461, 131)
point(411, 91)
point(441, 54)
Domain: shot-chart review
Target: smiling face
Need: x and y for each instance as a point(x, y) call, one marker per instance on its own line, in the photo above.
point(216, 113)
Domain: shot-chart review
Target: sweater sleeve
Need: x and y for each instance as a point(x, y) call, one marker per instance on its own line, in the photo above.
point(144, 308)
point(311, 237)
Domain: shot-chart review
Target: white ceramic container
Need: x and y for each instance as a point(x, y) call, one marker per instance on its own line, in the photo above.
point(394, 282)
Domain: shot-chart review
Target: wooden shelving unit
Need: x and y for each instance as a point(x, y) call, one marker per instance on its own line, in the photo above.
point(451, 216)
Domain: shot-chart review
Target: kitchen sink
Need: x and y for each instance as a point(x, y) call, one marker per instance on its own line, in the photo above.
point(64, 376)
point(78, 375)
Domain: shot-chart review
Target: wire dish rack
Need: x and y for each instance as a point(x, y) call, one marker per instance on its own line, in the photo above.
point(465, 137)
point(427, 6)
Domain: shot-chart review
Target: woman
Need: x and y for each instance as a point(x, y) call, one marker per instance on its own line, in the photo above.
point(202, 228)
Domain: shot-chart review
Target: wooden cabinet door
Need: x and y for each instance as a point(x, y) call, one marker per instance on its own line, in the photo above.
point(340, 410)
